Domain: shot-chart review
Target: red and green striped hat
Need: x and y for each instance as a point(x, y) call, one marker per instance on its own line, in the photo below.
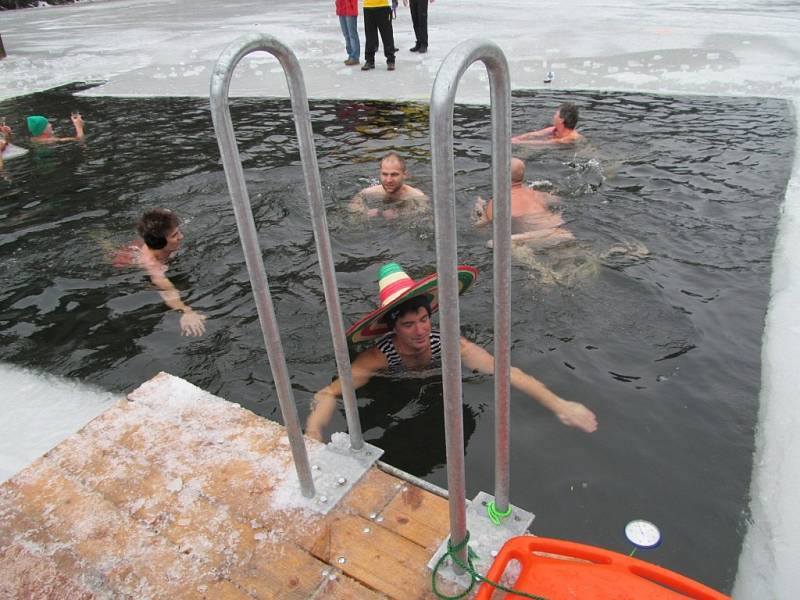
point(395, 287)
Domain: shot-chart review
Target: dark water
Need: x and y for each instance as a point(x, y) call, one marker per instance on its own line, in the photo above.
point(664, 347)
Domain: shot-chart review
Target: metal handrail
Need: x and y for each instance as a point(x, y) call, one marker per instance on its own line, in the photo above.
point(220, 113)
point(441, 119)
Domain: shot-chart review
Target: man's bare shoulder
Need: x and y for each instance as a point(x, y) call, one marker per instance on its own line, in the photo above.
point(371, 360)
point(410, 192)
point(571, 137)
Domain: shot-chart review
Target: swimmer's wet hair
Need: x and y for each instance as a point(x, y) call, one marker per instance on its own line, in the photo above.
point(569, 113)
point(395, 156)
point(154, 226)
point(391, 317)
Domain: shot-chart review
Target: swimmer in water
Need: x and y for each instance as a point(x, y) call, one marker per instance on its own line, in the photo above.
point(5, 140)
point(562, 131)
point(161, 238)
point(532, 222)
point(42, 131)
point(393, 194)
point(406, 342)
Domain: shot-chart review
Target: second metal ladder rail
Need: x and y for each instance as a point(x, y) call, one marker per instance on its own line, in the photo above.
point(220, 113)
point(441, 123)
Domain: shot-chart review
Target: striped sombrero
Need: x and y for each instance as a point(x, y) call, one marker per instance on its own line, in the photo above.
point(395, 287)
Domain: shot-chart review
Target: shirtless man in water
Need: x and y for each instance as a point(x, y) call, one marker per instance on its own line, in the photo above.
point(562, 131)
point(392, 193)
point(162, 237)
point(532, 222)
point(42, 131)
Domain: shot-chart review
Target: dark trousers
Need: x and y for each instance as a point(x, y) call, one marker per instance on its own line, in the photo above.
point(378, 20)
point(419, 17)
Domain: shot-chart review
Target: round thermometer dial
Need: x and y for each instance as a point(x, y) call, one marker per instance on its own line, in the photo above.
point(643, 534)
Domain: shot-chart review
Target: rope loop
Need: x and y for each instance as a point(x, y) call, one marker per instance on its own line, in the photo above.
point(475, 577)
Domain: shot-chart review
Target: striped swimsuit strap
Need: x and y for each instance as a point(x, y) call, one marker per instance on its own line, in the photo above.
point(386, 345)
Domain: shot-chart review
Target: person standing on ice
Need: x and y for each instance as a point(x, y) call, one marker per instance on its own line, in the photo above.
point(347, 11)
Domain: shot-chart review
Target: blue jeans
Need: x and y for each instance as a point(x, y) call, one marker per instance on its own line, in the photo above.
point(350, 30)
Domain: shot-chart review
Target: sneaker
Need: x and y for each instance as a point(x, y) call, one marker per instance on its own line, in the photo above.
point(367, 66)
point(390, 66)
point(415, 48)
point(352, 61)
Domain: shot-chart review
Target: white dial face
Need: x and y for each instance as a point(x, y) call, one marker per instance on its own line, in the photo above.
point(643, 533)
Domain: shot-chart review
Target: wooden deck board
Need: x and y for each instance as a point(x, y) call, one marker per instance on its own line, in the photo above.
point(419, 516)
point(374, 555)
point(177, 494)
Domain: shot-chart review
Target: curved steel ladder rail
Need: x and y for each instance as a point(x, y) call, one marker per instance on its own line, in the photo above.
point(441, 124)
point(221, 116)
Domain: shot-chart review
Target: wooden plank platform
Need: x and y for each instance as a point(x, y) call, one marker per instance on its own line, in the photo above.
point(175, 493)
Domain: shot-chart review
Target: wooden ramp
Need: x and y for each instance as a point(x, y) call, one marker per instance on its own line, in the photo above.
point(175, 493)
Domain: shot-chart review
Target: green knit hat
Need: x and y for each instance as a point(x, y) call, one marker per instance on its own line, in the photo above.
point(37, 124)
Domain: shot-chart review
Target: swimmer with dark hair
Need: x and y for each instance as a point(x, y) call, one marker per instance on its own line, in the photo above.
point(406, 343)
point(565, 120)
point(42, 131)
point(161, 234)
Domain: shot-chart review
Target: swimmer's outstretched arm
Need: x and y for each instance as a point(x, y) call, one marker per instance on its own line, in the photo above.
point(77, 123)
point(358, 205)
point(532, 136)
point(5, 139)
point(7, 133)
point(364, 367)
point(569, 413)
point(192, 323)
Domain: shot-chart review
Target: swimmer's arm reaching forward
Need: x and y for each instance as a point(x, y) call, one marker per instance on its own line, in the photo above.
point(569, 413)
point(532, 136)
point(364, 367)
point(358, 204)
point(192, 323)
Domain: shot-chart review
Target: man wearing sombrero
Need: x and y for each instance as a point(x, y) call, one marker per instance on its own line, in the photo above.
point(407, 342)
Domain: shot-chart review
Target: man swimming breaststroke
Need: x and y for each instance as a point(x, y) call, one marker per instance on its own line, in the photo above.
point(532, 221)
point(562, 131)
point(393, 194)
point(407, 343)
point(161, 234)
point(42, 131)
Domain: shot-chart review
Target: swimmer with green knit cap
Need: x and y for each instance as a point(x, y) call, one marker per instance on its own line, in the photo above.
point(42, 131)
point(406, 342)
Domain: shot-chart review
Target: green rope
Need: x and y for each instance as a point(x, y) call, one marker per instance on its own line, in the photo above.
point(452, 552)
point(495, 516)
